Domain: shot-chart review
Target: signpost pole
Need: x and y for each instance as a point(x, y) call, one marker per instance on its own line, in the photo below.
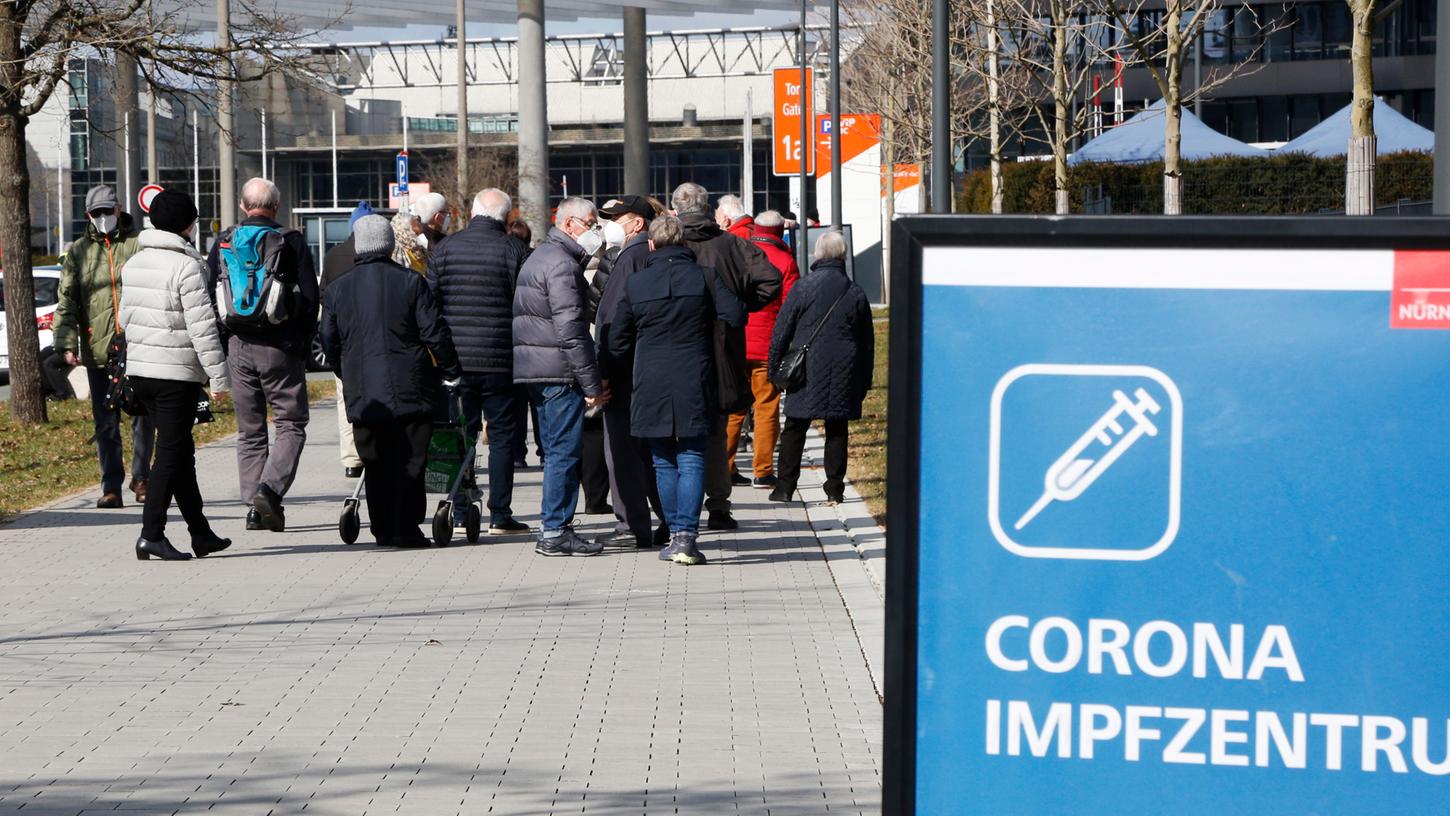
point(807, 147)
point(836, 219)
point(941, 110)
point(334, 159)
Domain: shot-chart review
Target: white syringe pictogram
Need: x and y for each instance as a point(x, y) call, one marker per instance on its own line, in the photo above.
point(1078, 468)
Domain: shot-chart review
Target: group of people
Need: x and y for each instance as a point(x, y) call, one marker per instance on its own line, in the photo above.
point(664, 327)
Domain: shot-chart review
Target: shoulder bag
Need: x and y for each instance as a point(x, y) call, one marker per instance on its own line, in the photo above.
point(790, 375)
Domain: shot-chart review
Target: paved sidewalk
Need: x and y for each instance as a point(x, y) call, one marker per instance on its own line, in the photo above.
point(294, 673)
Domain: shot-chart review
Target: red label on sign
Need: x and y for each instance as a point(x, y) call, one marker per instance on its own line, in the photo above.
point(1421, 298)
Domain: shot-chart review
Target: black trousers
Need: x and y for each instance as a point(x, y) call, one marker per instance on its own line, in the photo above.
point(717, 469)
point(793, 444)
point(631, 472)
point(593, 473)
point(394, 456)
point(171, 404)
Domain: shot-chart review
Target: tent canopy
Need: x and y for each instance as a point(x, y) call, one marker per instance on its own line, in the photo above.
point(1393, 133)
point(1140, 139)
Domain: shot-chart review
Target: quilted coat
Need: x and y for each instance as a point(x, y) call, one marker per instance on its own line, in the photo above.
point(472, 276)
point(762, 323)
point(839, 364)
point(552, 345)
point(166, 312)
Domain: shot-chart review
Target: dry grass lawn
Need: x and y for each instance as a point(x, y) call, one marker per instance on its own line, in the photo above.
point(867, 470)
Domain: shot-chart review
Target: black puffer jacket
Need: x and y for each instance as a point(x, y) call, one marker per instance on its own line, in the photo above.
point(379, 325)
point(752, 277)
point(840, 362)
point(552, 345)
point(472, 276)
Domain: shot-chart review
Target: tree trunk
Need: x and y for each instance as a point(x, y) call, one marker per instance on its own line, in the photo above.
point(994, 113)
point(888, 137)
point(1173, 111)
point(27, 402)
point(1062, 105)
point(1359, 168)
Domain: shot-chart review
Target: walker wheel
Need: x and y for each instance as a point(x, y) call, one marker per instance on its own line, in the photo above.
point(349, 522)
point(443, 524)
point(472, 523)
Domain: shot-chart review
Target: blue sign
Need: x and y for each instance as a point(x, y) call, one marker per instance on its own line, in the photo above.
point(1170, 531)
point(403, 171)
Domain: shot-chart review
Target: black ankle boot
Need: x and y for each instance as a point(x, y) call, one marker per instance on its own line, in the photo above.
point(205, 545)
point(159, 549)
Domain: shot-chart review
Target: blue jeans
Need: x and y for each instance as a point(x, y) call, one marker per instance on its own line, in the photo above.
point(561, 429)
point(680, 476)
point(493, 397)
point(108, 437)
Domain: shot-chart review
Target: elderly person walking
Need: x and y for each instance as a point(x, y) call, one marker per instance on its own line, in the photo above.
point(830, 313)
point(172, 348)
point(665, 319)
point(380, 324)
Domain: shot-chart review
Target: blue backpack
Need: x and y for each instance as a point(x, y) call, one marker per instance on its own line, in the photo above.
point(249, 294)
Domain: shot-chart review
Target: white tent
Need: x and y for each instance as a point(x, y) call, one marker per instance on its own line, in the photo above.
point(1393, 134)
point(1140, 139)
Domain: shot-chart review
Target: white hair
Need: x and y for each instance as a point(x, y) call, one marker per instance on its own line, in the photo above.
point(770, 218)
point(690, 197)
point(831, 245)
point(428, 205)
point(493, 203)
point(573, 207)
point(260, 194)
point(731, 206)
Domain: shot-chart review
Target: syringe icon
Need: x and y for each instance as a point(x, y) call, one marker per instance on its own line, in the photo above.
point(1082, 463)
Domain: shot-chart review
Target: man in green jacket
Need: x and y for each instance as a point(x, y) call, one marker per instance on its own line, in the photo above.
point(85, 323)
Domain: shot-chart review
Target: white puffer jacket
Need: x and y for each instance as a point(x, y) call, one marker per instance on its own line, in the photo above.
point(167, 315)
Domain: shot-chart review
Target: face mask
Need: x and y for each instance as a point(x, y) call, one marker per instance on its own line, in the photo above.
point(590, 241)
point(421, 239)
point(104, 223)
point(447, 222)
point(613, 233)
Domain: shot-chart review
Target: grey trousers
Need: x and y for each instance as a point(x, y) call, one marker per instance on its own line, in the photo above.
point(264, 376)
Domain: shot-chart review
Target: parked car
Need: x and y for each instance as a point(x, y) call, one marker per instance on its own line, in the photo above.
point(47, 297)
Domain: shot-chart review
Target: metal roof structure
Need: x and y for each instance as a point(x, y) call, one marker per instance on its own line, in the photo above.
point(348, 14)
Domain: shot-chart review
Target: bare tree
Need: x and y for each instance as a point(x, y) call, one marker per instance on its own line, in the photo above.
point(37, 40)
point(1359, 169)
point(487, 167)
point(1062, 47)
point(1162, 48)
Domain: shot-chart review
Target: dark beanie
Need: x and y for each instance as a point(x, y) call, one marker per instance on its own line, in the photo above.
point(172, 211)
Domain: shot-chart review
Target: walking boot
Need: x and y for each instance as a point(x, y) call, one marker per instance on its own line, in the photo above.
point(160, 548)
point(204, 545)
point(269, 509)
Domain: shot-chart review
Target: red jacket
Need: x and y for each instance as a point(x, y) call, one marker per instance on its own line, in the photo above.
point(762, 323)
point(742, 227)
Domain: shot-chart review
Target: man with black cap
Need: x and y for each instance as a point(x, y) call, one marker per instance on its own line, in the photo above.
point(379, 327)
point(631, 469)
point(90, 293)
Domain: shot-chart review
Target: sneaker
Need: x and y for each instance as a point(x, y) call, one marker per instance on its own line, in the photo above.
point(738, 479)
point(579, 545)
point(254, 519)
point(110, 501)
point(763, 482)
point(687, 550)
point(269, 507)
point(721, 520)
point(508, 526)
point(781, 493)
point(554, 546)
point(667, 553)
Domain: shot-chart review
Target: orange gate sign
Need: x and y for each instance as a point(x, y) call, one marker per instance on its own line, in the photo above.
point(786, 113)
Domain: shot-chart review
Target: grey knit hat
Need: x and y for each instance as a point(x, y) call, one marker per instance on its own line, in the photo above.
point(372, 234)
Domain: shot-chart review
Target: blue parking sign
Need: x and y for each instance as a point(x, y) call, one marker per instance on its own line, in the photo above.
point(402, 171)
point(1167, 527)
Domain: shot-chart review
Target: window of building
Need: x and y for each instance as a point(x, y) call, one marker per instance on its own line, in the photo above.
point(1274, 119)
point(1309, 31)
point(1338, 30)
point(1303, 114)
point(1278, 32)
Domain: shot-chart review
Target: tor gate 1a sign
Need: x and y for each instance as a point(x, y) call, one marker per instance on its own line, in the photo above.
point(1170, 517)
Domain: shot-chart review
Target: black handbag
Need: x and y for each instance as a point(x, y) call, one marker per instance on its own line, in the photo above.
point(120, 396)
point(790, 375)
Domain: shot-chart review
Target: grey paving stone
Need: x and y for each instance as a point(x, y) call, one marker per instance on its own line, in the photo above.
point(294, 673)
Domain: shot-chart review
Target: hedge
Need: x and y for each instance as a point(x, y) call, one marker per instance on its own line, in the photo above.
point(1273, 185)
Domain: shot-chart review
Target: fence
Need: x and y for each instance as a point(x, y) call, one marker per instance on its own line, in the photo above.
point(1276, 185)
